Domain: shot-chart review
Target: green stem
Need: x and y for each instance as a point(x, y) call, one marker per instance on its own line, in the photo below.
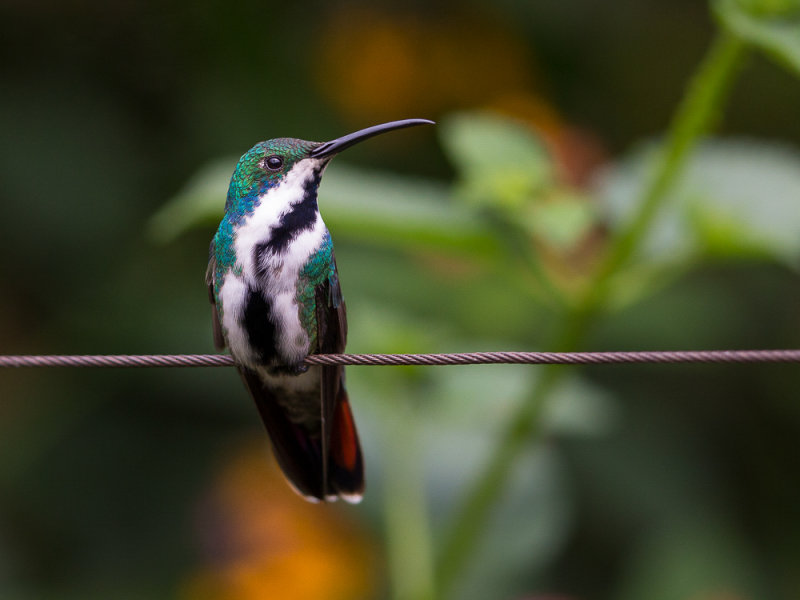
point(697, 113)
point(471, 519)
point(410, 555)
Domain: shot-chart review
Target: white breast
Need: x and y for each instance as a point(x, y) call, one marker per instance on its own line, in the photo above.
point(280, 272)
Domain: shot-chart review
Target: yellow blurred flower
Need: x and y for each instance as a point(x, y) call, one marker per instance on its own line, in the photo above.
point(263, 541)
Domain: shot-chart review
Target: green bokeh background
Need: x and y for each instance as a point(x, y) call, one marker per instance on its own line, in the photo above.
point(120, 124)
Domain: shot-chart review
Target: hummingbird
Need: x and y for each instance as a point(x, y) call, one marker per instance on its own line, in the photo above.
point(275, 295)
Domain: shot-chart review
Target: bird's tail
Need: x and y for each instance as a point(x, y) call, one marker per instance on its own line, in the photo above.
point(300, 452)
point(345, 463)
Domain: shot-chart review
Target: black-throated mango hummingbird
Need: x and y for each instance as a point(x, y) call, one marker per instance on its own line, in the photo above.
point(273, 281)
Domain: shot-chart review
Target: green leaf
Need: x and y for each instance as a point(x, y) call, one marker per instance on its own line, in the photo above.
point(481, 142)
point(746, 192)
point(562, 220)
point(401, 212)
point(771, 25)
point(500, 161)
point(581, 409)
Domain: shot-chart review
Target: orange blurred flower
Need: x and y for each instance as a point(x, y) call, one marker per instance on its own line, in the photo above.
point(375, 66)
point(262, 541)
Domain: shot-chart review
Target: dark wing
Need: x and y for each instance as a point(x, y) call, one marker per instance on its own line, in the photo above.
point(219, 339)
point(343, 467)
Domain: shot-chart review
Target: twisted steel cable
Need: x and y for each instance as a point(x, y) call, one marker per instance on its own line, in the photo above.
point(461, 358)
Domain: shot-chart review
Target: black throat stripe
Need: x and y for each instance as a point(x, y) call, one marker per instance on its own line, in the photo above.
point(301, 217)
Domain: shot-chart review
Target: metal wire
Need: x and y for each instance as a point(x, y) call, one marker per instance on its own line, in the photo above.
point(462, 358)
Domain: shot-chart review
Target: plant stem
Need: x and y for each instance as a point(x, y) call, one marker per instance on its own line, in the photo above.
point(697, 113)
point(410, 555)
point(472, 517)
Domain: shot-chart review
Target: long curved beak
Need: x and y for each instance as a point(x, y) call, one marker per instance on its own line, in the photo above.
point(335, 146)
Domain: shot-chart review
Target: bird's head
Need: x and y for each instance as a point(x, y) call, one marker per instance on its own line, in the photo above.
point(296, 163)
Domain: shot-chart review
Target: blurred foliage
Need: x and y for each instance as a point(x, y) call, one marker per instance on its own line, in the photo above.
point(772, 25)
point(737, 200)
point(121, 127)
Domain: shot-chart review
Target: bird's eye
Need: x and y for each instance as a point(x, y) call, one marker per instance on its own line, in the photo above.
point(274, 162)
